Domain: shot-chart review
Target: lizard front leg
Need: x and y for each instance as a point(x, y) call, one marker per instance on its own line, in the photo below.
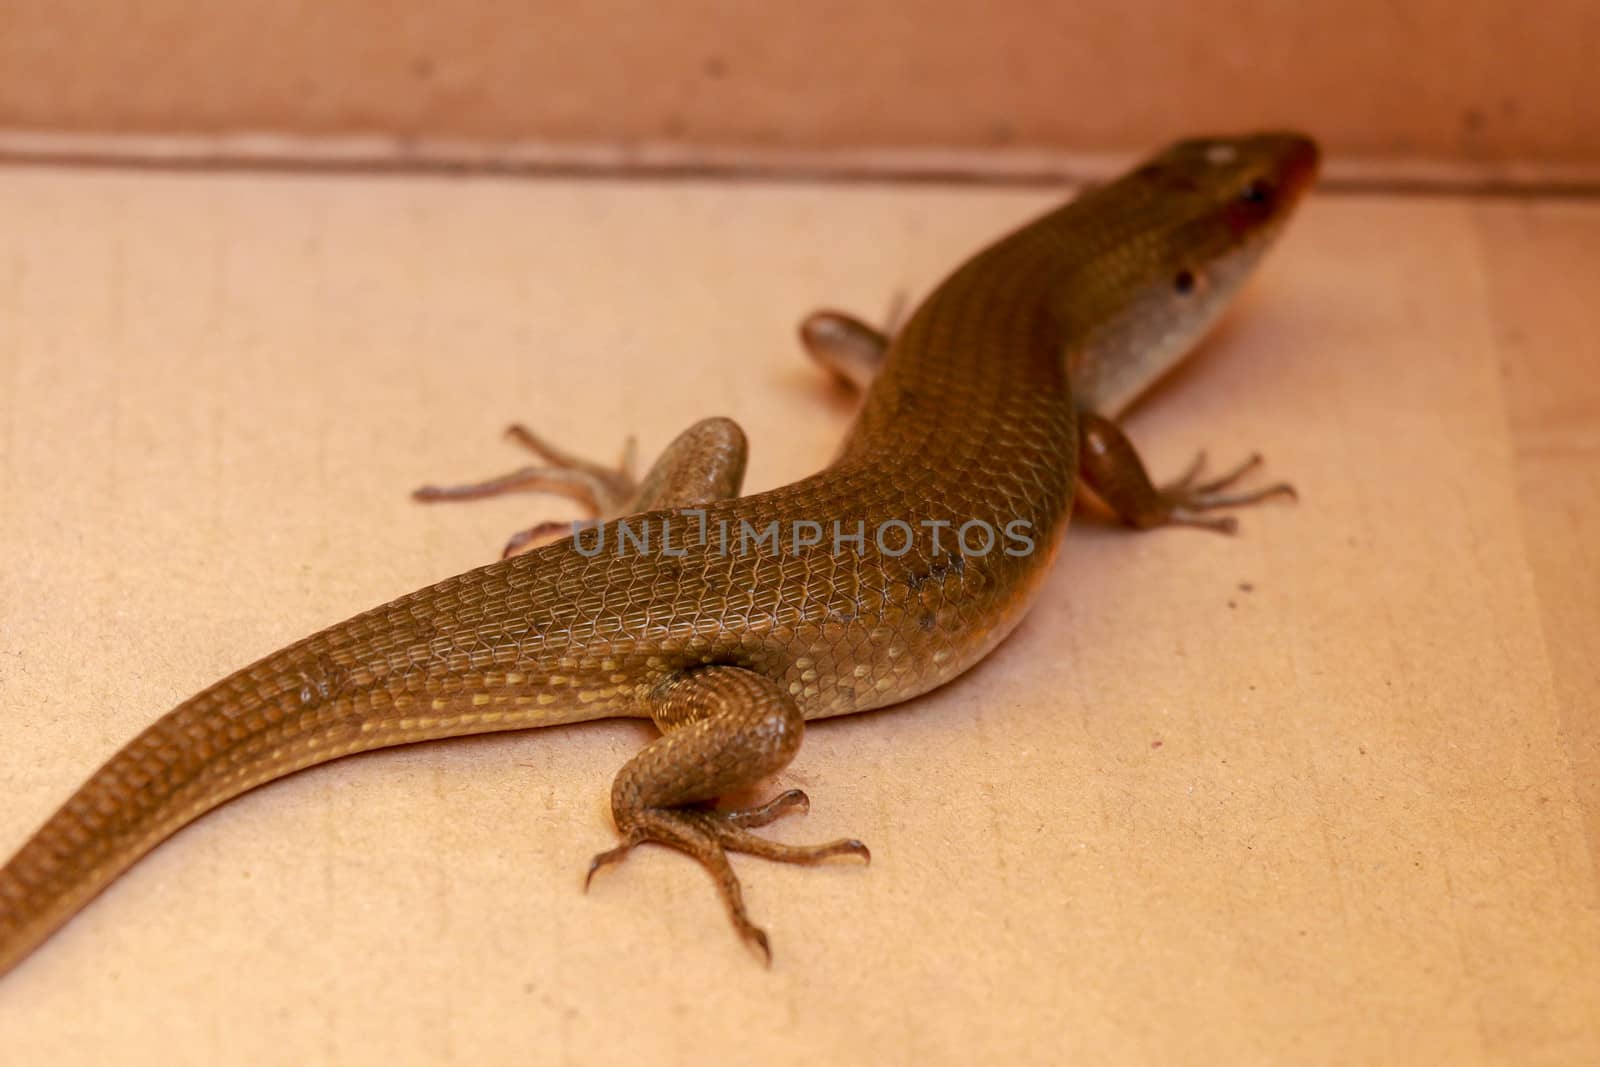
point(723, 728)
point(1107, 460)
point(1111, 467)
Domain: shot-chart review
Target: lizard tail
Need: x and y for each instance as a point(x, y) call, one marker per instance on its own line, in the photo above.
point(330, 695)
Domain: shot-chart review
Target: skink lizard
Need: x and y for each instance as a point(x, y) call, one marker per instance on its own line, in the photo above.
point(981, 417)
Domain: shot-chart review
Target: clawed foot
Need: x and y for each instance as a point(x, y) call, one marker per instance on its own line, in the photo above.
point(1188, 499)
point(604, 490)
point(1111, 467)
point(708, 836)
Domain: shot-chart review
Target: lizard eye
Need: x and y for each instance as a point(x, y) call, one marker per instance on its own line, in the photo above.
point(1183, 282)
point(1258, 191)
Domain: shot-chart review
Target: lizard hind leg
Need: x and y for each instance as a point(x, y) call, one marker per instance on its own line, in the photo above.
point(723, 728)
point(703, 464)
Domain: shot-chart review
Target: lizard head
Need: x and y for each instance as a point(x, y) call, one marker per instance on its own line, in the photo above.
point(1184, 231)
point(1228, 192)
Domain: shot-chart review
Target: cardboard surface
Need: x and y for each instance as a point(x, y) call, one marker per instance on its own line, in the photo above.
point(1322, 793)
point(1497, 87)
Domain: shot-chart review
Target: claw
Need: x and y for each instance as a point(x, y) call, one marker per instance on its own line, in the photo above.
point(771, 811)
point(607, 858)
point(758, 937)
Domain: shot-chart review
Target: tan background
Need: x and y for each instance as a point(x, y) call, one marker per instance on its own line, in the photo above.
point(1346, 815)
point(1419, 89)
point(1325, 793)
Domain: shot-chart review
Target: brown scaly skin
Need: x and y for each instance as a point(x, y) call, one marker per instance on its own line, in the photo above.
point(978, 411)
